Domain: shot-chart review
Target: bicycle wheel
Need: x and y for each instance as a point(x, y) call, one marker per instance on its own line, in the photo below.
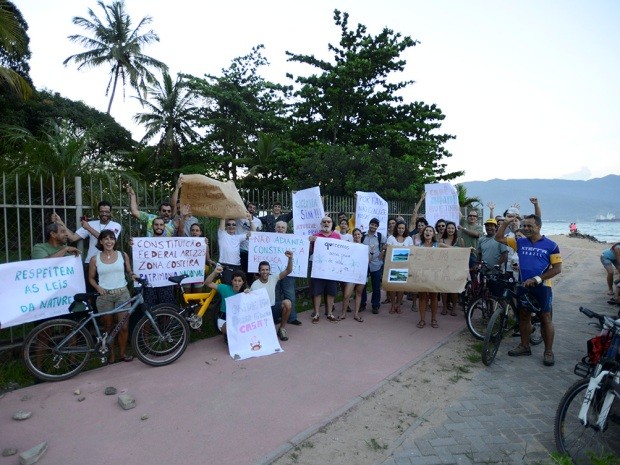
point(580, 442)
point(478, 315)
point(160, 341)
point(495, 332)
point(466, 297)
point(48, 361)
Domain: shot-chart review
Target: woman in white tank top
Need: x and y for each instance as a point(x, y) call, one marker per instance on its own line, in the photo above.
point(107, 273)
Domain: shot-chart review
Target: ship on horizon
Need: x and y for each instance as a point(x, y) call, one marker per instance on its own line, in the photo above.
point(609, 218)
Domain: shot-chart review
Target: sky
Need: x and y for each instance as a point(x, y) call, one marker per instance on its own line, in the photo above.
point(528, 87)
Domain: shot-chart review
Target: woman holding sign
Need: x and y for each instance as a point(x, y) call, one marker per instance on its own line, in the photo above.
point(349, 288)
point(107, 273)
point(427, 237)
point(400, 238)
point(238, 284)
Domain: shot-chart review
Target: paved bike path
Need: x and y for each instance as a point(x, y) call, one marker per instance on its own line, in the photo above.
point(208, 408)
point(507, 414)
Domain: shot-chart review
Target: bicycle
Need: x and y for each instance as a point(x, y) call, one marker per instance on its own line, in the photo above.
point(474, 287)
point(505, 316)
point(587, 421)
point(60, 348)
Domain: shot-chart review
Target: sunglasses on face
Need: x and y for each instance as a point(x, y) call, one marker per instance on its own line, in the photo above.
point(231, 224)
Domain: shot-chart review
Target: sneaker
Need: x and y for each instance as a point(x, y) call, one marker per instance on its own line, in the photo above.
point(375, 310)
point(548, 359)
point(295, 322)
point(519, 351)
point(282, 334)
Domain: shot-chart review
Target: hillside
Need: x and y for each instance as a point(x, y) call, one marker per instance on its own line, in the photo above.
point(561, 200)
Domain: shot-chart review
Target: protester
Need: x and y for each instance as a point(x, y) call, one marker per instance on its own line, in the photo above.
point(164, 212)
point(269, 221)
point(400, 238)
point(229, 244)
point(238, 283)
point(286, 287)
point(320, 286)
point(55, 243)
point(376, 244)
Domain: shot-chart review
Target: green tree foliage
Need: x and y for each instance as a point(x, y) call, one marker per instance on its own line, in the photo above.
point(170, 113)
point(464, 200)
point(352, 105)
point(14, 50)
point(114, 43)
point(238, 107)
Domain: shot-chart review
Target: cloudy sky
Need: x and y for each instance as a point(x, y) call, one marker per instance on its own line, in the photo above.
point(529, 87)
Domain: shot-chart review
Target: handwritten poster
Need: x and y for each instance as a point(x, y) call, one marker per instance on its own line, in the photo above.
point(441, 202)
point(370, 205)
point(425, 269)
point(37, 289)
point(157, 258)
point(307, 211)
point(249, 325)
point(209, 197)
point(270, 247)
point(340, 260)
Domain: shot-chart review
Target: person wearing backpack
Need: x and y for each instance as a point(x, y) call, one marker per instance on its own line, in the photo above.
point(376, 246)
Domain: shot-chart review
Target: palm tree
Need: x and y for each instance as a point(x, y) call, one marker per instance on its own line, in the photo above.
point(171, 111)
point(464, 201)
point(114, 43)
point(13, 42)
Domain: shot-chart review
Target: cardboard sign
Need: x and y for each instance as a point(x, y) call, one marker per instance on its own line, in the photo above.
point(249, 325)
point(37, 289)
point(208, 197)
point(307, 211)
point(441, 202)
point(340, 260)
point(157, 258)
point(370, 205)
point(425, 269)
point(270, 247)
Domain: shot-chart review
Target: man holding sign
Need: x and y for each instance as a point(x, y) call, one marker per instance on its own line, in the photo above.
point(280, 310)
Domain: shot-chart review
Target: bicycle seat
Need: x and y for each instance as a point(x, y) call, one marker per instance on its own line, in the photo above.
point(177, 279)
point(85, 297)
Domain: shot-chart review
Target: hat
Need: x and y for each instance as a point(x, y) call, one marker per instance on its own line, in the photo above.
point(491, 221)
point(513, 211)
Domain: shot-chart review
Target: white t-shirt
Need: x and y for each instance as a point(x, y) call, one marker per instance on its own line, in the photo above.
point(229, 245)
point(346, 237)
point(270, 285)
point(92, 242)
point(243, 226)
point(407, 242)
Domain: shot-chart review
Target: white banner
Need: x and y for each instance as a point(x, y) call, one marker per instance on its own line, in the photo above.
point(249, 325)
point(157, 258)
point(307, 211)
point(370, 205)
point(441, 202)
point(340, 260)
point(35, 289)
point(271, 247)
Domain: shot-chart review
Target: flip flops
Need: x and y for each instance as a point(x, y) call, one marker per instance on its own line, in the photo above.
point(358, 319)
point(421, 324)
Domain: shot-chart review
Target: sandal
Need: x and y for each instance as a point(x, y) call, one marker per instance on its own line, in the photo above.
point(444, 311)
point(358, 318)
point(127, 358)
point(315, 318)
point(342, 317)
point(399, 311)
point(332, 318)
point(452, 313)
point(392, 310)
point(434, 324)
point(421, 324)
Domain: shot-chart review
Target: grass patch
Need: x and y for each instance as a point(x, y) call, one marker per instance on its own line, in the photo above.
point(373, 444)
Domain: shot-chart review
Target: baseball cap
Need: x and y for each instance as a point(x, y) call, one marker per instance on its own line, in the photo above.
point(513, 211)
point(491, 221)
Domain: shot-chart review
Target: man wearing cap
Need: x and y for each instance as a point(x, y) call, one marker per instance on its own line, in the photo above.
point(489, 250)
point(539, 261)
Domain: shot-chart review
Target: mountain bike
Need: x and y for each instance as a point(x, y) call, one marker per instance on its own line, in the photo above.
point(505, 317)
point(474, 287)
point(587, 421)
point(60, 348)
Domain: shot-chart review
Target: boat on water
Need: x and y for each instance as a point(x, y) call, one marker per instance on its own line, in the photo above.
point(609, 218)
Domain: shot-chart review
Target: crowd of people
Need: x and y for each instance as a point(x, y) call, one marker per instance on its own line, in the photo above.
point(506, 243)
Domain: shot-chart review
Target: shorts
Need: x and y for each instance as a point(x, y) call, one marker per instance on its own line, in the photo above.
point(319, 286)
point(112, 299)
point(276, 310)
point(609, 264)
point(542, 294)
point(221, 320)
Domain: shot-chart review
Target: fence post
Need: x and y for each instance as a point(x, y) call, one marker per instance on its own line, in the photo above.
point(79, 209)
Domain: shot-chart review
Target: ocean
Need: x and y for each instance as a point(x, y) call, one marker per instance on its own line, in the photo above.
point(604, 232)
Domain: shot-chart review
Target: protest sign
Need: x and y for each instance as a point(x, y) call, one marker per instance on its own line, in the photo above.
point(425, 269)
point(37, 289)
point(208, 197)
point(270, 247)
point(157, 258)
point(441, 202)
point(340, 260)
point(307, 211)
point(249, 325)
point(369, 205)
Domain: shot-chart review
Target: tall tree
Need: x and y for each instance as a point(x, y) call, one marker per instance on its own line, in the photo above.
point(354, 101)
point(170, 112)
point(114, 43)
point(14, 50)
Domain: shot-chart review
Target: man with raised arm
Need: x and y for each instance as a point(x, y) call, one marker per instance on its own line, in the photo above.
point(539, 261)
point(55, 243)
point(165, 213)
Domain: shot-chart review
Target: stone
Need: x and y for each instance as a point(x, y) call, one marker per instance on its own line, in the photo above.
point(126, 401)
point(26, 398)
point(77, 392)
point(33, 455)
point(81, 398)
point(110, 391)
point(144, 417)
point(7, 452)
point(21, 415)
